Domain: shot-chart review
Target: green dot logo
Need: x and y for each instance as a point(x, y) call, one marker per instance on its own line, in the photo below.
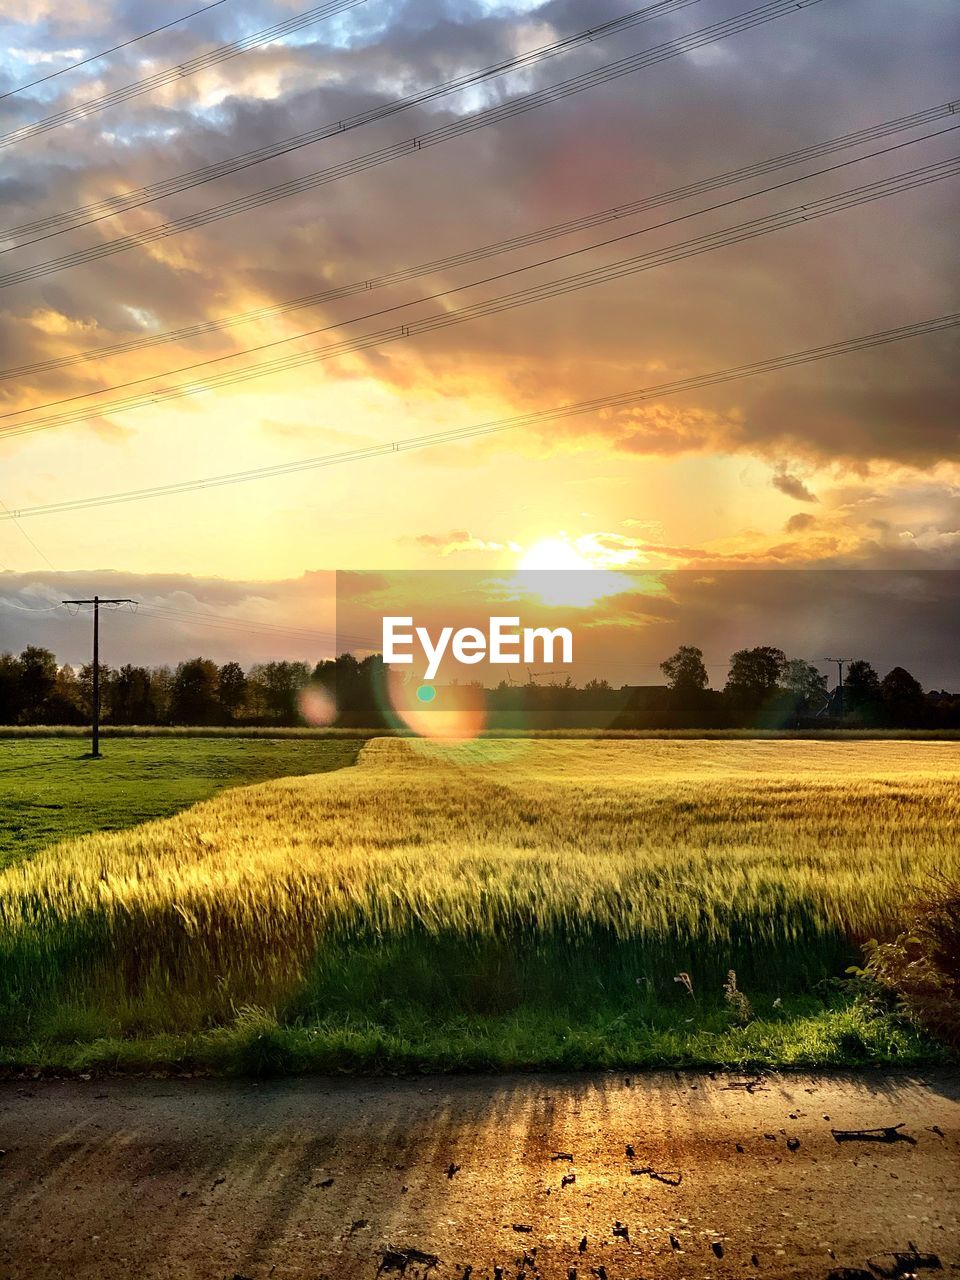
point(426, 693)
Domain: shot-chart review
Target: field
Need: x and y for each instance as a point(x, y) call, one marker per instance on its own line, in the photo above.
point(50, 789)
point(493, 904)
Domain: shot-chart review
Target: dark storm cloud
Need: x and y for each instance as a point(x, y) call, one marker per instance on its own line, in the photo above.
point(904, 617)
point(836, 67)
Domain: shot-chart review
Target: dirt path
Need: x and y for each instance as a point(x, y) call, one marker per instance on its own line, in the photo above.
point(313, 1179)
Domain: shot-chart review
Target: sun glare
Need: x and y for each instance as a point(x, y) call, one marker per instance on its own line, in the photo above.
point(552, 569)
point(553, 553)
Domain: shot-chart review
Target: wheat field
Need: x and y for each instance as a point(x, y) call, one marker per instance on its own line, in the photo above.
point(481, 877)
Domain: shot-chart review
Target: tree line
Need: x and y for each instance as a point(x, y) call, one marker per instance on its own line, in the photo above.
point(766, 689)
point(763, 689)
point(35, 689)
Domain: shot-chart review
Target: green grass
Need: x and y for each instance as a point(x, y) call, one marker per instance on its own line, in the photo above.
point(229, 732)
point(805, 1032)
point(50, 790)
point(302, 731)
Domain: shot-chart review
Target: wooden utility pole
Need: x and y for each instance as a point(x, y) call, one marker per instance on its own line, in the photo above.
point(97, 601)
point(841, 663)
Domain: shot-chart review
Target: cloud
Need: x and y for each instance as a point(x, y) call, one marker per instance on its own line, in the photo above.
point(908, 616)
point(823, 280)
point(800, 521)
point(625, 623)
point(459, 540)
point(793, 487)
point(748, 302)
point(178, 616)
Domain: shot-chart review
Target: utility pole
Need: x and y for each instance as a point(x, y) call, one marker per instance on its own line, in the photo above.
point(97, 601)
point(841, 663)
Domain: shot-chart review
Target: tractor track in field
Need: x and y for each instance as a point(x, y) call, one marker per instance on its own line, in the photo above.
point(600, 1176)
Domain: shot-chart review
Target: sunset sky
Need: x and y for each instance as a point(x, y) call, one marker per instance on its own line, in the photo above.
point(846, 463)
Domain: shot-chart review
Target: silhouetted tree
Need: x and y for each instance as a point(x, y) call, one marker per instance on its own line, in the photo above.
point(161, 690)
point(904, 705)
point(685, 671)
point(358, 690)
point(862, 699)
point(944, 708)
point(131, 697)
point(65, 705)
point(763, 689)
point(805, 687)
point(685, 705)
point(193, 697)
point(753, 682)
point(757, 670)
point(107, 677)
point(231, 689)
point(278, 685)
point(38, 678)
point(11, 688)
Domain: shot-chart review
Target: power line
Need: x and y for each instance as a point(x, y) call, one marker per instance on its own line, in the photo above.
point(534, 238)
point(513, 243)
point(603, 274)
point(10, 515)
point(9, 604)
point(172, 75)
point(73, 218)
point(455, 129)
point(95, 57)
point(227, 622)
point(624, 399)
point(221, 622)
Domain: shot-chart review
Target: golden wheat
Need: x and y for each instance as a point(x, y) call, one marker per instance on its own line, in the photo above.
point(769, 843)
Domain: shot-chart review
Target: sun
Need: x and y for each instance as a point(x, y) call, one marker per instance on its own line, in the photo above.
point(553, 571)
point(553, 553)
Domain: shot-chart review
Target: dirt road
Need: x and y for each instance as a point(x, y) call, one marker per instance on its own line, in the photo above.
point(313, 1179)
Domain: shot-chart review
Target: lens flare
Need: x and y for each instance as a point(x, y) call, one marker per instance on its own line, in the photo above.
point(435, 710)
point(317, 706)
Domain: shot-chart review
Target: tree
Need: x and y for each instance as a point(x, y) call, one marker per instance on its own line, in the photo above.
point(753, 680)
point(903, 702)
point(107, 677)
point(686, 704)
point(231, 689)
point(861, 692)
point(357, 689)
point(11, 688)
point(283, 682)
point(756, 670)
point(279, 685)
point(65, 704)
point(161, 690)
point(685, 671)
point(38, 679)
point(193, 698)
point(806, 684)
point(899, 685)
point(131, 700)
